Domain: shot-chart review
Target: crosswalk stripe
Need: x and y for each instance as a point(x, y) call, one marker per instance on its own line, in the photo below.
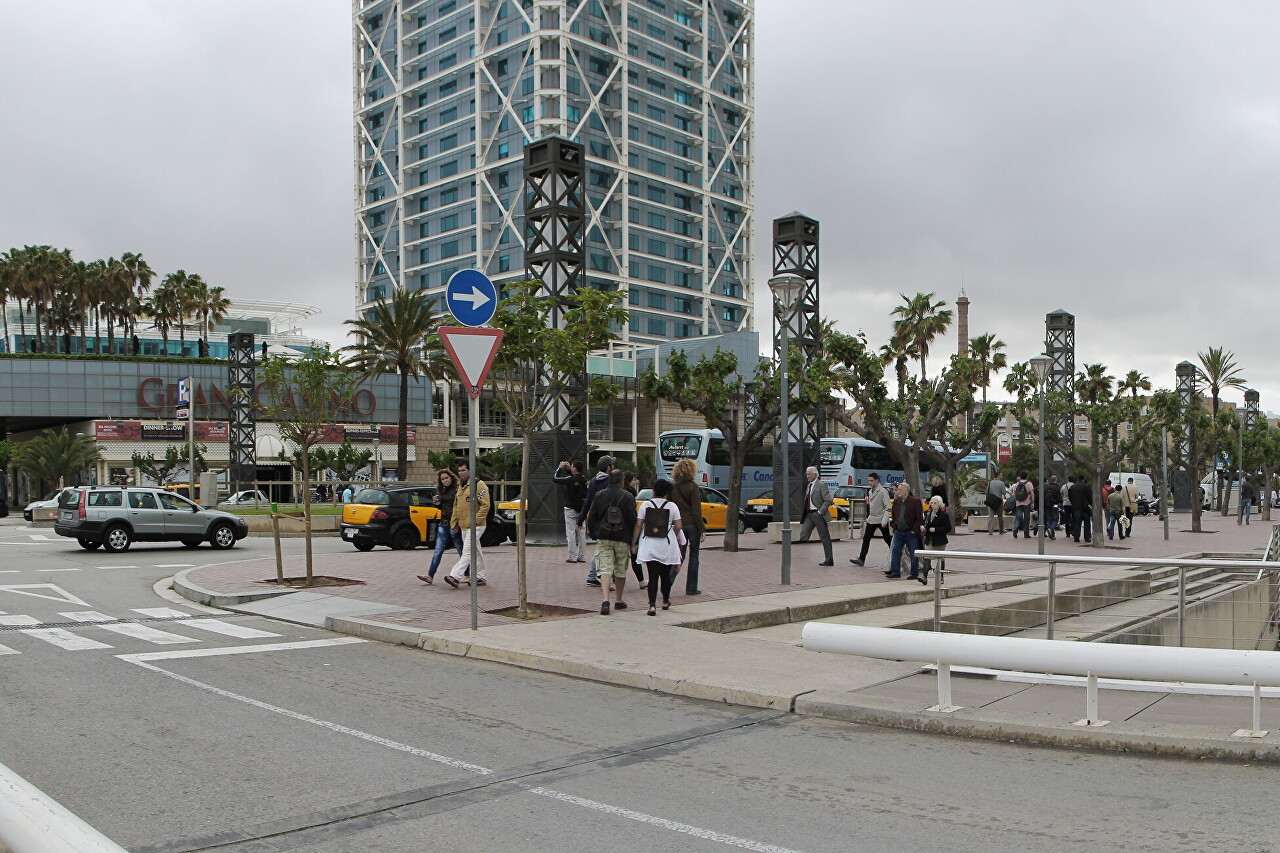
point(64, 639)
point(5, 650)
point(213, 626)
point(151, 635)
point(18, 620)
point(86, 616)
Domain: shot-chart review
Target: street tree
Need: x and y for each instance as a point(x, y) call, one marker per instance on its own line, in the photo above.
point(743, 401)
point(344, 461)
point(171, 466)
point(538, 369)
point(397, 335)
point(304, 399)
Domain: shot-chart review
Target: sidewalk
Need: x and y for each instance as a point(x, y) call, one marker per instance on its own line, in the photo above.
point(705, 647)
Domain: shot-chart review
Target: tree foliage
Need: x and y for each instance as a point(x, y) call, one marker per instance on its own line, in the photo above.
point(165, 469)
point(55, 455)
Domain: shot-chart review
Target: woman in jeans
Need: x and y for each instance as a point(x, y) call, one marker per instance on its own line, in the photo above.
point(686, 495)
point(446, 492)
point(660, 554)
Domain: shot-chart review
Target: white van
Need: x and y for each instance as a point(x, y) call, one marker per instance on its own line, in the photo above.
point(1146, 488)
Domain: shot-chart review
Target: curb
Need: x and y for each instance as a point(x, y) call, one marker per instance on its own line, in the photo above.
point(1180, 741)
point(193, 592)
point(372, 629)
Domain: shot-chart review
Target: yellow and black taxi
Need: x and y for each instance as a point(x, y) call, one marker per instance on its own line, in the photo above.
point(758, 512)
point(401, 518)
point(715, 507)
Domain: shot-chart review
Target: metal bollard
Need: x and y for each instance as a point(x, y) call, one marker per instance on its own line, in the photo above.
point(1051, 608)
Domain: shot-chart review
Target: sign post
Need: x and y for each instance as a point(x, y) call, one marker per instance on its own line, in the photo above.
point(187, 409)
point(472, 299)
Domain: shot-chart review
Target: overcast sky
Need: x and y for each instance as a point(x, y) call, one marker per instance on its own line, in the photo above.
point(1115, 159)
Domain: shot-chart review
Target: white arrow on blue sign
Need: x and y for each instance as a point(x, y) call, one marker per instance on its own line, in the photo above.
point(471, 297)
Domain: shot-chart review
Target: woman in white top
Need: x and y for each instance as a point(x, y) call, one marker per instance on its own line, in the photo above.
point(661, 554)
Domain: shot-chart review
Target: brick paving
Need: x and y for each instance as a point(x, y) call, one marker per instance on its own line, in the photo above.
point(389, 577)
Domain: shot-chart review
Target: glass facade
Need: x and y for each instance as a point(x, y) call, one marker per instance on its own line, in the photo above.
point(658, 91)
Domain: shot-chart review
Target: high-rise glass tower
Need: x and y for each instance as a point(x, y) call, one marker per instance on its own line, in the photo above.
point(660, 94)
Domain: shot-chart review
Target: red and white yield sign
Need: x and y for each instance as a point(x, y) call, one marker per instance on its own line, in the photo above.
point(472, 351)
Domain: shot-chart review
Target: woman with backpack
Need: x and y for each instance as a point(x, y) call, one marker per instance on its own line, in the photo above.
point(657, 541)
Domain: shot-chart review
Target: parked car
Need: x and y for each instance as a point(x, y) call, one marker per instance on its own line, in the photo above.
point(758, 512)
point(249, 496)
point(400, 518)
point(507, 513)
point(114, 517)
point(49, 501)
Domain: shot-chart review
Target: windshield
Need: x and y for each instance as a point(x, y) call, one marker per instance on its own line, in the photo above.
point(372, 496)
point(676, 447)
point(831, 453)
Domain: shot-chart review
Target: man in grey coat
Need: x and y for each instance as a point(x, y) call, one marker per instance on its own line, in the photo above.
point(877, 519)
point(817, 506)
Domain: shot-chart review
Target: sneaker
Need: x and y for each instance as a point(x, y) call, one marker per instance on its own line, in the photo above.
point(857, 562)
point(604, 609)
point(482, 582)
point(827, 563)
point(593, 583)
point(451, 581)
point(620, 605)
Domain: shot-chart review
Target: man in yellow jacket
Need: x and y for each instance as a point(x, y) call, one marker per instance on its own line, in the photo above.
point(461, 521)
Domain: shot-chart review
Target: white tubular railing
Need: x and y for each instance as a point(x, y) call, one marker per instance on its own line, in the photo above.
point(33, 822)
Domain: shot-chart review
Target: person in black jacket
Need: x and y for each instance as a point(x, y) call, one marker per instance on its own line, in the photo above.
point(1052, 504)
point(597, 484)
point(937, 524)
point(1081, 495)
point(573, 485)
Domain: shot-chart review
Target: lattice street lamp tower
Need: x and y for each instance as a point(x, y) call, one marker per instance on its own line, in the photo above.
point(240, 380)
point(795, 252)
point(1183, 488)
point(1248, 418)
point(555, 228)
point(1060, 347)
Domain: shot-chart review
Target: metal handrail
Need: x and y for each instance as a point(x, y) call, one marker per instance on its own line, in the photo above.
point(1110, 561)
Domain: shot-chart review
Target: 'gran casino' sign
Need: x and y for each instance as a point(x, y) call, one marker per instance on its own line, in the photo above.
point(211, 401)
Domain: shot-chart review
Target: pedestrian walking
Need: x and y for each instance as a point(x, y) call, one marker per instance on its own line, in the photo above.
point(1052, 506)
point(573, 492)
point(597, 484)
point(877, 520)
point(1024, 495)
point(688, 497)
point(1131, 496)
point(610, 520)
point(937, 524)
point(937, 489)
point(817, 508)
point(656, 542)
point(446, 496)
point(908, 524)
point(1247, 494)
point(997, 491)
point(1115, 514)
point(460, 521)
point(1068, 514)
point(629, 486)
point(348, 493)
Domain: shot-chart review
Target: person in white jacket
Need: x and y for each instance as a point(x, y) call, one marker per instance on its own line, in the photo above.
point(661, 555)
point(878, 501)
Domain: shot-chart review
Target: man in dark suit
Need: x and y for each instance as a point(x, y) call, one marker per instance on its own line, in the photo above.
point(1081, 495)
point(907, 520)
point(817, 506)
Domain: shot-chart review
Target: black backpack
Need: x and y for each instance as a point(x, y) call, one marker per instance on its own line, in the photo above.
point(657, 520)
point(1020, 491)
point(612, 526)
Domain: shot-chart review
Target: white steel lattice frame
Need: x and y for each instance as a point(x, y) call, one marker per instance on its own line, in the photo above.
point(554, 51)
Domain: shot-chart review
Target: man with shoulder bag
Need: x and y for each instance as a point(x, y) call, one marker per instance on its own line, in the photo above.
point(877, 520)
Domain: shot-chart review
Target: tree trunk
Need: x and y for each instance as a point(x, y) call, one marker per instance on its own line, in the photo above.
point(402, 440)
point(738, 461)
point(306, 509)
point(522, 586)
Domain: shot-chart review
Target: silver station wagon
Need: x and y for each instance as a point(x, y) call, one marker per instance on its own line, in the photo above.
point(113, 518)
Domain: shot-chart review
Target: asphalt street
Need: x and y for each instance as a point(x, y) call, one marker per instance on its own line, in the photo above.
point(171, 728)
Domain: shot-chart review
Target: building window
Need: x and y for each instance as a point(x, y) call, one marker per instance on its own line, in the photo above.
point(682, 253)
point(447, 35)
point(448, 142)
point(527, 114)
point(378, 218)
point(448, 115)
point(657, 300)
point(680, 226)
point(683, 304)
point(503, 149)
point(633, 296)
point(657, 167)
point(449, 88)
point(448, 61)
point(504, 263)
point(683, 97)
point(449, 249)
point(375, 120)
point(683, 175)
point(657, 326)
point(377, 193)
point(450, 168)
point(426, 256)
point(448, 223)
point(657, 220)
point(574, 114)
point(657, 247)
point(657, 194)
point(449, 196)
point(658, 274)
point(657, 113)
point(424, 230)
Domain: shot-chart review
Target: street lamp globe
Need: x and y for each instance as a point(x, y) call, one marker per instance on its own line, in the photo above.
point(786, 290)
point(1041, 365)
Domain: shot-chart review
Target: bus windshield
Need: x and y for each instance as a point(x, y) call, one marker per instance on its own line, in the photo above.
point(673, 448)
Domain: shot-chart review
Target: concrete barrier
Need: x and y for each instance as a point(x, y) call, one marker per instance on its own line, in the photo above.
point(838, 529)
point(33, 822)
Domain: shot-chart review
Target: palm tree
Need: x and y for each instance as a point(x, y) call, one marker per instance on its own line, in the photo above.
point(39, 272)
point(183, 287)
point(133, 285)
point(987, 351)
point(1133, 382)
point(1219, 371)
point(397, 336)
point(56, 456)
point(920, 320)
point(211, 305)
point(1093, 385)
point(8, 279)
point(164, 311)
point(1022, 380)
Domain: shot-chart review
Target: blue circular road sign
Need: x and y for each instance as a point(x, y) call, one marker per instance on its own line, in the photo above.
point(471, 297)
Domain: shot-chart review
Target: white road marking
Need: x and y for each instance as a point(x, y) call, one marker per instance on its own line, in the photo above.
point(65, 639)
point(40, 537)
point(138, 632)
point(18, 620)
point(62, 594)
point(213, 626)
point(86, 616)
point(57, 570)
point(5, 650)
point(175, 565)
point(615, 811)
point(115, 567)
point(9, 571)
point(238, 650)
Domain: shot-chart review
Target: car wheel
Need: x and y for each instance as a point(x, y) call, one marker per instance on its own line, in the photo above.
point(362, 544)
point(742, 526)
point(191, 543)
point(222, 537)
point(117, 539)
point(89, 544)
point(404, 539)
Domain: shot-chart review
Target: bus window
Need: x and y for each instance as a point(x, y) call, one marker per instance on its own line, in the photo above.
point(673, 448)
point(716, 454)
point(831, 453)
